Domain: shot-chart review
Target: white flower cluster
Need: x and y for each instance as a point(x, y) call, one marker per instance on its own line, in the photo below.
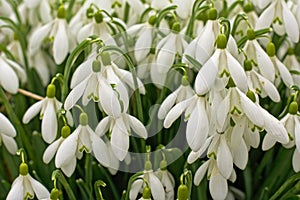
point(230, 64)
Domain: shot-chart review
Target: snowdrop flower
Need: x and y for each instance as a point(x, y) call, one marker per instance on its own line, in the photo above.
point(10, 74)
point(37, 9)
point(24, 187)
point(260, 84)
point(168, 47)
point(293, 66)
point(95, 79)
point(58, 29)
point(145, 35)
point(7, 133)
point(52, 148)
point(197, 124)
point(221, 62)
point(234, 105)
point(281, 70)
point(281, 17)
point(97, 27)
point(291, 123)
point(275, 131)
point(183, 92)
point(148, 178)
point(259, 57)
point(120, 129)
point(218, 186)
point(166, 179)
point(82, 139)
point(47, 108)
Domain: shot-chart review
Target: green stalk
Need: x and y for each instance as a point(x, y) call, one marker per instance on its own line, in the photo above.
point(97, 186)
point(288, 183)
point(60, 177)
point(110, 182)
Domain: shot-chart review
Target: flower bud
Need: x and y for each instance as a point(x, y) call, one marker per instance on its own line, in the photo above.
point(89, 12)
point(54, 194)
point(247, 65)
point(23, 169)
point(182, 192)
point(213, 14)
point(146, 193)
point(83, 119)
point(98, 17)
point(105, 57)
point(251, 95)
point(163, 165)
point(271, 51)
point(221, 41)
point(65, 131)
point(148, 165)
point(251, 34)
point(248, 7)
point(293, 108)
point(185, 80)
point(152, 20)
point(176, 27)
point(51, 90)
point(96, 66)
point(61, 12)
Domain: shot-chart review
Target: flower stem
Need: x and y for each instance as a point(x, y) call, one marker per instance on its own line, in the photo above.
point(60, 177)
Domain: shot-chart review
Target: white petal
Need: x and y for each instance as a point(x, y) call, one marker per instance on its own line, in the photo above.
point(69, 167)
point(135, 188)
point(6, 127)
point(290, 23)
point(119, 141)
point(82, 71)
point(108, 99)
point(266, 18)
point(176, 111)
point(138, 127)
point(197, 126)
point(143, 44)
point(51, 150)
point(103, 126)
point(237, 73)
point(18, 69)
point(99, 149)
point(67, 149)
point(167, 104)
point(37, 38)
point(224, 158)
point(251, 110)
point(17, 190)
point(275, 128)
point(264, 62)
point(8, 78)
point(32, 111)
point(297, 134)
point(61, 42)
point(239, 147)
point(207, 74)
point(75, 94)
point(223, 111)
point(166, 54)
point(10, 144)
point(284, 73)
point(85, 31)
point(269, 88)
point(201, 171)
point(157, 189)
point(296, 160)
point(49, 122)
point(40, 190)
point(218, 186)
point(268, 142)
